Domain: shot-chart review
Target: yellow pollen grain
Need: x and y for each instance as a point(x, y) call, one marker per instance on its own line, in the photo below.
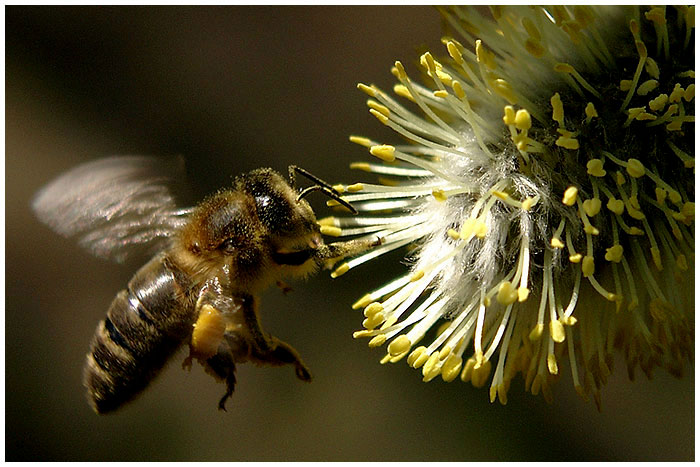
point(652, 68)
point(384, 152)
point(567, 143)
point(594, 167)
point(439, 195)
point(556, 330)
point(658, 103)
point(523, 120)
point(340, 270)
point(418, 275)
point(377, 341)
point(557, 109)
point(399, 345)
point(506, 294)
point(331, 231)
point(588, 266)
point(556, 243)
point(590, 111)
point(372, 309)
point(592, 206)
point(614, 253)
point(509, 115)
point(635, 168)
point(647, 86)
point(570, 195)
point(362, 141)
point(369, 90)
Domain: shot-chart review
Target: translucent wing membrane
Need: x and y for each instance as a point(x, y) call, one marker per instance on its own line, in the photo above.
point(115, 207)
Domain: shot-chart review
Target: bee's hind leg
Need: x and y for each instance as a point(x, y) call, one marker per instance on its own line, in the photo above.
point(223, 368)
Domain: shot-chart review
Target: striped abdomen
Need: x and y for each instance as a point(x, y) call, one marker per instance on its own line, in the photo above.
point(144, 326)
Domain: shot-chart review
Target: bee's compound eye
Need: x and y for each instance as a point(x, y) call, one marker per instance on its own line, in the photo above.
point(229, 245)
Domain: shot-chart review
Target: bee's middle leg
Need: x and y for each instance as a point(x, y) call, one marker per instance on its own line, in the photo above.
point(269, 350)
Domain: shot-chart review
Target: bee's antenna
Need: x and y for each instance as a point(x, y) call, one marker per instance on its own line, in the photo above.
point(320, 185)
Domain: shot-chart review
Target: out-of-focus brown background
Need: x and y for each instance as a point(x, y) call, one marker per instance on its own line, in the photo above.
point(231, 89)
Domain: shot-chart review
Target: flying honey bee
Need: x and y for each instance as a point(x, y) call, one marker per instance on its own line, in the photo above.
point(210, 263)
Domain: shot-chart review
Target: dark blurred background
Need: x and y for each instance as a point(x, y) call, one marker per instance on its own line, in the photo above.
point(231, 89)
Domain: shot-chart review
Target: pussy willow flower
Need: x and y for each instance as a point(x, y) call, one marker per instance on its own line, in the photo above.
point(547, 192)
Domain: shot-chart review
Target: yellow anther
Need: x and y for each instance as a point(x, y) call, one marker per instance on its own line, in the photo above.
point(523, 120)
point(400, 71)
point(445, 352)
point(401, 90)
point(373, 321)
point(635, 202)
point(451, 368)
point(636, 231)
point(390, 321)
point(588, 266)
point(592, 206)
point(340, 270)
point(379, 116)
point(418, 357)
point(589, 229)
point(382, 109)
point(428, 62)
point(569, 320)
point(362, 302)
point(363, 333)
point(614, 253)
point(634, 112)
point(635, 168)
point(682, 262)
point(480, 229)
point(620, 178)
point(523, 293)
point(675, 125)
point(369, 90)
point(635, 213)
point(459, 91)
point(439, 195)
point(556, 330)
point(557, 109)
point(385, 359)
point(570, 195)
point(556, 243)
point(661, 195)
point(384, 152)
point(645, 116)
point(331, 231)
point(641, 49)
point(399, 345)
point(656, 257)
point(362, 141)
point(339, 188)
point(652, 68)
point(431, 368)
point(326, 221)
point(689, 93)
point(567, 143)
point(656, 15)
point(484, 56)
point(658, 103)
point(441, 93)
point(675, 197)
point(355, 187)
point(688, 209)
point(563, 68)
point(625, 84)
point(576, 258)
point(453, 234)
point(377, 341)
point(509, 115)
point(590, 111)
point(467, 370)
point(552, 364)
point(536, 332)
point(676, 94)
point(503, 89)
point(502, 195)
point(595, 167)
point(507, 294)
point(454, 52)
point(446, 78)
point(480, 373)
point(534, 47)
point(528, 203)
point(530, 27)
point(647, 86)
point(418, 275)
point(372, 309)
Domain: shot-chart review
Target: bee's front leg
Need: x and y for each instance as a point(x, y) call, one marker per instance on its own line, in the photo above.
point(269, 350)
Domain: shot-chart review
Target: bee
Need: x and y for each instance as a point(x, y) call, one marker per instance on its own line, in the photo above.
point(210, 263)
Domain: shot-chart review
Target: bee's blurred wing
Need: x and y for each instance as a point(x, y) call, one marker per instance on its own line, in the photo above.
point(115, 207)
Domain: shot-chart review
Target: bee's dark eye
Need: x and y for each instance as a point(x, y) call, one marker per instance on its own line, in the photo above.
point(229, 245)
